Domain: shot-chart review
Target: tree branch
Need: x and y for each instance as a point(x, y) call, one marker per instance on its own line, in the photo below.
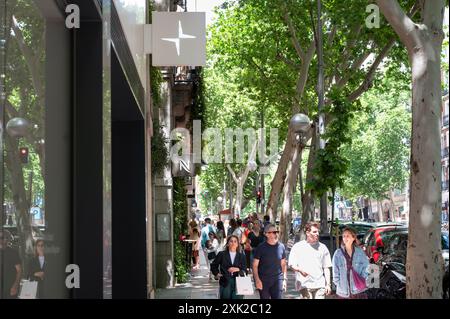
point(290, 25)
point(303, 78)
point(287, 61)
point(368, 80)
point(355, 66)
point(233, 174)
point(29, 58)
point(250, 158)
point(332, 35)
point(400, 22)
point(354, 33)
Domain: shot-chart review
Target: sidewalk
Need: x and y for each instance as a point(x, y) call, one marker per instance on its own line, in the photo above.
point(200, 287)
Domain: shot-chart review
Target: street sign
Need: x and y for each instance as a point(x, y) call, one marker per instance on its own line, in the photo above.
point(178, 38)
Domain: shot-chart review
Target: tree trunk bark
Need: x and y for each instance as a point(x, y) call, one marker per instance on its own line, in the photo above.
point(308, 196)
point(288, 190)
point(424, 272)
point(278, 179)
point(424, 262)
point(380, 211)
point(19, 196)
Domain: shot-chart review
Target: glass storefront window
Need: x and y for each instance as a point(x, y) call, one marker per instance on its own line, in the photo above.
point(27, 248)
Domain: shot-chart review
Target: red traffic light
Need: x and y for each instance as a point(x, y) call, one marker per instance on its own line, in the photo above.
point(23, 152)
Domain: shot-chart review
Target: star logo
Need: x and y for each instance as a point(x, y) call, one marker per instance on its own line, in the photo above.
point(181, 35)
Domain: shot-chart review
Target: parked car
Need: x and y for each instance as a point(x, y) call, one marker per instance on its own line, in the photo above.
point(377, 237)
point(393, 271)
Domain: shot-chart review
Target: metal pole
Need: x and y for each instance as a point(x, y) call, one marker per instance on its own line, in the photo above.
point(263, 189)
point(320, 91)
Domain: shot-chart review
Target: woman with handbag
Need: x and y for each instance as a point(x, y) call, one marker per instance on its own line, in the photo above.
point(227, 265)
point(37, 266)
point(350, 268)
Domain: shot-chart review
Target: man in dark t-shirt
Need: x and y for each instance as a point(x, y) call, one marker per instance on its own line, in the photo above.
point(10, 268)
point(269, 266)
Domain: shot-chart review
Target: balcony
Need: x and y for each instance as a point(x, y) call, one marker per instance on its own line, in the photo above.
point(444, 152)
point(445, 121)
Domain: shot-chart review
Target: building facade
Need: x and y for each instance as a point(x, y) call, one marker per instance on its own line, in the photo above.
point(72, 99)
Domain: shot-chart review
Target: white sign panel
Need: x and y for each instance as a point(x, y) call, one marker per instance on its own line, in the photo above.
point(178, 39)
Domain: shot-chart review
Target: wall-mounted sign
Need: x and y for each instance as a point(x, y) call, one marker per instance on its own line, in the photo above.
point(183, 166)
point(177, 39)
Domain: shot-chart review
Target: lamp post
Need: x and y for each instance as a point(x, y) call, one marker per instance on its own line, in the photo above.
point(219, 204)
point(300, 125)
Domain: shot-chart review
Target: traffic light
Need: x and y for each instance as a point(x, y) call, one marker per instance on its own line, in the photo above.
point(258, 196)
point(23, 152)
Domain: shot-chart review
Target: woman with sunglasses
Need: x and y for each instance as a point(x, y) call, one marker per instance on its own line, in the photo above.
point(227, 265)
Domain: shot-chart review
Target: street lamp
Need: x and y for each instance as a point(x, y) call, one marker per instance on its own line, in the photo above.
point(252, 166)
point(18, 127)
point(300, 124)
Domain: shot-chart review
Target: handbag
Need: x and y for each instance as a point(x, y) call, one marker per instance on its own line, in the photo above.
point(358, 280)
point(28, 290)
point(244, 286)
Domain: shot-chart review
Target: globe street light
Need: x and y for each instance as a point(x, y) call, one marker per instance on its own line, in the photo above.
point(252, 166)
point(18, 127)
point(300, 125)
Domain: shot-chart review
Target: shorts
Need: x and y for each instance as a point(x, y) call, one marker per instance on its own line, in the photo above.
point(195, 253)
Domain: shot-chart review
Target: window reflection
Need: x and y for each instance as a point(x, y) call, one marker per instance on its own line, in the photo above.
point(22, 257)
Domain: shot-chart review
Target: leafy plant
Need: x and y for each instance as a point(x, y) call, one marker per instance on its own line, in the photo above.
point(180, 209)
point(160, 152)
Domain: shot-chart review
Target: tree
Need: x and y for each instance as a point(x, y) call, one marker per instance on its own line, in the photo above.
point(24, 97)
point(272, 47)
point(379, 153)
point(423, 42)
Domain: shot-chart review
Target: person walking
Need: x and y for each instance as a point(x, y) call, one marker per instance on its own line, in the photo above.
point(227, 265)
point(204, 234)
point(220, 233)
point(255, 237)
point(311, 261)
point(196, 245)
point(37, 268)
point(10, 267)
point(269, 266)
point(350, 265)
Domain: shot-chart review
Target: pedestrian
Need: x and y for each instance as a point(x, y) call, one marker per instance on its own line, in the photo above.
point(232, 225)
point(227, 265)
point(311, 261)
point(205, 236)
point(246, 245)
point(269, 266)
point(255, 237)
point(37, 267)
point(10, 266)
point(220, 233)
point(196, 246)
point(192, 224)
point(350, 268)
point(212, 248)
point(266, 221)
point(238, 231)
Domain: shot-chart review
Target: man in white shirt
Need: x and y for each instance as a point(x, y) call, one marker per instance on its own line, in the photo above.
point(311, 261)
